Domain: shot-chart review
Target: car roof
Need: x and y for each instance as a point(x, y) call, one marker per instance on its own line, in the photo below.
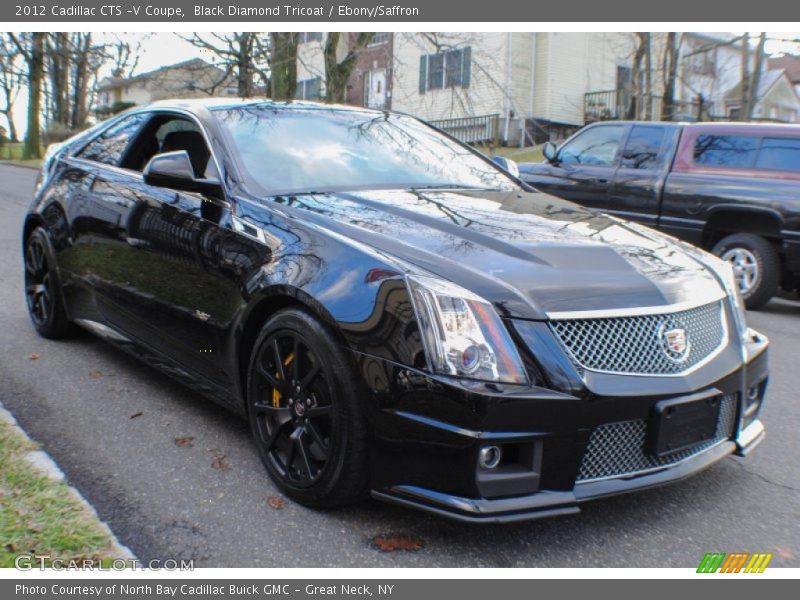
point(198, 104)
point(742, 127)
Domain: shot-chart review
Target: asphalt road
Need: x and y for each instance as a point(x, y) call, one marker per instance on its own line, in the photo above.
point(169, 501)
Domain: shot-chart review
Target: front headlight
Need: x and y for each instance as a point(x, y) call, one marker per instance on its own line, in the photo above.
point(462, 333)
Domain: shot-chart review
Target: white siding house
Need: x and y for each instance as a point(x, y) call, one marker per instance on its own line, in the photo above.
point(517, 76)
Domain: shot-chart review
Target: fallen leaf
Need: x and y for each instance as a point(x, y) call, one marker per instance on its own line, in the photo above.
point(37, 527)
point(220, 462)
point(34, 356)
point(392, 542)
point(95, 374)
point(184, 442)
point(785, 553)
point(275, 502)
point(138, 414)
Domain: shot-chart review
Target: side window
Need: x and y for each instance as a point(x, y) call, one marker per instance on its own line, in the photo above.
point(109, 146)
point(597, 146)
point(725, 150)
point(779, 154)
point(166, 133)
point(643, 148)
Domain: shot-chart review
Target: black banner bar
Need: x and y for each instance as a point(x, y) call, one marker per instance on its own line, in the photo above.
point(393, 11)
point(394, 589)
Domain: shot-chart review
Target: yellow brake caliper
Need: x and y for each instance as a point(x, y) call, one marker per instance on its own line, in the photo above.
point(276, 395)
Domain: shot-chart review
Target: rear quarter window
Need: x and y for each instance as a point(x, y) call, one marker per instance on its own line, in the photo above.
point(779, 154)
point(107, 148)
point(725, 150)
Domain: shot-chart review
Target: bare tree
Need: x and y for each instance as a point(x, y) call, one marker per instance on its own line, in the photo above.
point(31, 47)
point(635, 106)
point(337, 72)
point(124, 56)
point(670, 72)
point(243, 55)
point(11, 83)
point(752, 97)
point(283, 65)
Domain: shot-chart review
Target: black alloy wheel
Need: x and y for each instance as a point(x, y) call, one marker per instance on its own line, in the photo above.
point(305, 419)
point(42, 289)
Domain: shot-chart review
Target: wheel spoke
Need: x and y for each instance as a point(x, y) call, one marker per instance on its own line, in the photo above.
point(302, 451)
point(291, 452)
point(30, 263)
point(308, 379)
point(276, 352)
point(271, 380)
point(269, 442)
point(315, 435)
point(296, 361)
point(318, 411)
point(281, 413)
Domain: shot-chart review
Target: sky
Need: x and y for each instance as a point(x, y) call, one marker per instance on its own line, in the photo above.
point(159, 49)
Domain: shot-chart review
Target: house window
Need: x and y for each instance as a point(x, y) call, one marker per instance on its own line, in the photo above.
point(309, 36)
point(451, 68)
point(309, 89)
point(379, 38)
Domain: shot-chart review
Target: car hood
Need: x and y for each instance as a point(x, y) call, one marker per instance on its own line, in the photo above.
point(531, 254)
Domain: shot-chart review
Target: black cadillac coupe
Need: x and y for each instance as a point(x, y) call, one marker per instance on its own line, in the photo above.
point(393, 312)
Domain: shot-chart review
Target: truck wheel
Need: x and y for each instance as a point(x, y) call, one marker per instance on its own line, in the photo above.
point(756, 265)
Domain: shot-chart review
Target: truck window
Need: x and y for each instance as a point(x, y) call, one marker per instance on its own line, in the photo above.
point(725, 150)
point(596, 146)
point(643, 147)
point(779, 154)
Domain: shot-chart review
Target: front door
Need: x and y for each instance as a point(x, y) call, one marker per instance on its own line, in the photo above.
point(376, 93)
point(585, 166)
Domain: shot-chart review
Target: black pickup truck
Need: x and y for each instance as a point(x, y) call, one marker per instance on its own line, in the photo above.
point(731, 188)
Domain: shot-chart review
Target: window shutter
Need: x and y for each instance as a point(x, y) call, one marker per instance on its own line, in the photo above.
point(466, 66)
point(423, 73)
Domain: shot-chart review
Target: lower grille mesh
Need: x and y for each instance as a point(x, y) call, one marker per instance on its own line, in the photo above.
point(617, 449)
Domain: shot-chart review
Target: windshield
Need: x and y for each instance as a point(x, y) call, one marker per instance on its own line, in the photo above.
point(285, 150)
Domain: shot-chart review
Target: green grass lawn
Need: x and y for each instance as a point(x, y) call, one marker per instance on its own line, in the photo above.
point(39, 515)
point(12, 153)
point(519, 155)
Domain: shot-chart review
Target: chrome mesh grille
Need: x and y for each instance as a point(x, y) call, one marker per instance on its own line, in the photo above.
point(634, 345)
point(618, 449)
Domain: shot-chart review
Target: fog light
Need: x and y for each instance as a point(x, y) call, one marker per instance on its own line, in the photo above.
point(489, 457)
point(753, 393)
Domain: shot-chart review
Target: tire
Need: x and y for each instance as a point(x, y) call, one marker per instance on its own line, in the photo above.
point(757, 266)
point(303, 405)
point(43, 289)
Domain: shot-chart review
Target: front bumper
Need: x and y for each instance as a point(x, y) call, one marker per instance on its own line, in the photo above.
point(428, 435)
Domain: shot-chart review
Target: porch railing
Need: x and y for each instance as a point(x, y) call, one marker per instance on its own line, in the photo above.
point(482, 128)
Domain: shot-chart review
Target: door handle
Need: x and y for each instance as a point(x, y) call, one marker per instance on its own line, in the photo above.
point(598, 180)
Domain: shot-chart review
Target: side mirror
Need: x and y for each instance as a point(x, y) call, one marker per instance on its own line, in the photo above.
point(507, 164)
point(550, 151)
point(174, 170)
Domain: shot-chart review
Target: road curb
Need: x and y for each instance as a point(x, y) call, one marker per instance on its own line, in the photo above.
point(42, 462)
point(9, 163)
